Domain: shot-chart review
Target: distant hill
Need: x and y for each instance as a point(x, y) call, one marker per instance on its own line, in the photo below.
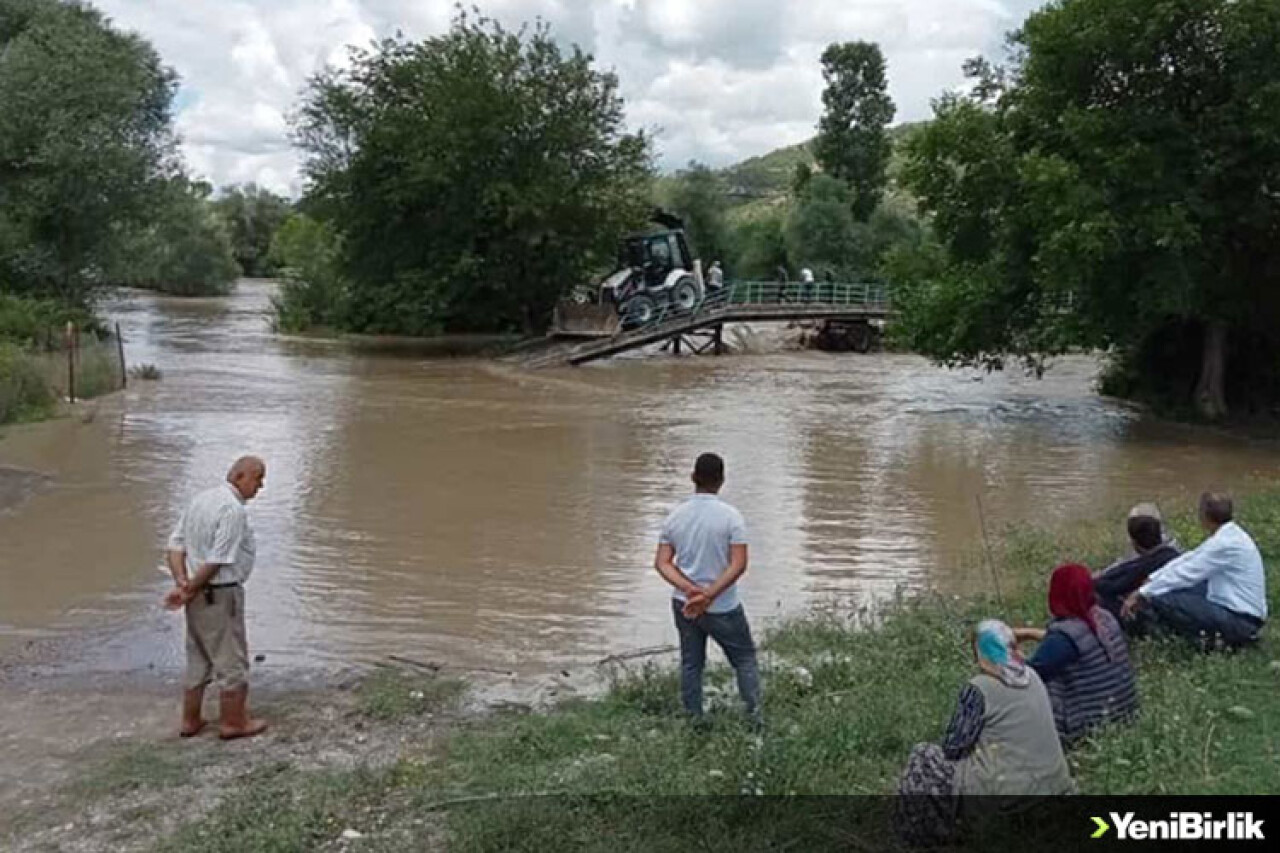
point(771, 174)
point(759, 184)
point(767, 175)
point(762, 184)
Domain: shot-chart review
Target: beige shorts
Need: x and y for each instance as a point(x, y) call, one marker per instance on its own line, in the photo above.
point(217, 646)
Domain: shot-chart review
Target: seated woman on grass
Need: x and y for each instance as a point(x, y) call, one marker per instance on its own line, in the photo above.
point(1083, 658)
point(1000, 741)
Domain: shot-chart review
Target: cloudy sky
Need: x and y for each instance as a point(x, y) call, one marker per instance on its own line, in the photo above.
point(719, 80)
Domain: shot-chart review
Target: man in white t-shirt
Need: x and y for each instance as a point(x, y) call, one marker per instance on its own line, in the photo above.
point(702, 552)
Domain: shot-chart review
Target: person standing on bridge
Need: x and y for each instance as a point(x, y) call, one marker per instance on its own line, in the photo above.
point(715, 276)
point(807, 286)
point(211, 554)
point(702, 553)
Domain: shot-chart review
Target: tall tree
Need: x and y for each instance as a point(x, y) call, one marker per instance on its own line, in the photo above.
point(759, 245)
point(698, 196)
point(820, 227)
point(252, 214)
point(823, 235)
point(473, 177)
point(184, 248)
point(852, 142)
point(1115, 187)
point(84, 138)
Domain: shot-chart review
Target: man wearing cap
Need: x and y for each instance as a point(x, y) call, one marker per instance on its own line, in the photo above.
point(211, 554)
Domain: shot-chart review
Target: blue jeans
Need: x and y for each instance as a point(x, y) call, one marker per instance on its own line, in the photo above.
point(1189, 613)
point(732, 633)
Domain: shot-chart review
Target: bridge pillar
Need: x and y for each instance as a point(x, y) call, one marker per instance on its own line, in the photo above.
point(717, 336)
point(675, 344)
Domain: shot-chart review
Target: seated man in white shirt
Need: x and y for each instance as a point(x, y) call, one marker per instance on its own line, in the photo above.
point(1215, 593)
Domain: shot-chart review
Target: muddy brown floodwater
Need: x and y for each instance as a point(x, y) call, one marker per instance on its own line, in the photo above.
point(477, 514)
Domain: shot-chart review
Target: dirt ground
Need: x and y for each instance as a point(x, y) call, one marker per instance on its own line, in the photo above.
point(93, 762)
point(98, 766)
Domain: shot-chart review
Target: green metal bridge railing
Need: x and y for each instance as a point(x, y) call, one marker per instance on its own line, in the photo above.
point(740, 294)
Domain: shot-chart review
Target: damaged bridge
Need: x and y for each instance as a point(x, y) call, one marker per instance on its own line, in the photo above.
point(701, 328)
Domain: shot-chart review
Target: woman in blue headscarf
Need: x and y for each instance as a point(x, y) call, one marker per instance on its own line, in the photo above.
point(1001, 740)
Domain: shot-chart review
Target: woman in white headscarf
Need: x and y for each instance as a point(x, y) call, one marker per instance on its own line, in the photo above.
point(1001, 741)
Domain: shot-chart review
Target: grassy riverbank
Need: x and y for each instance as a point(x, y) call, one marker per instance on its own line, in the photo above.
point(33, 358)
point(844, 704)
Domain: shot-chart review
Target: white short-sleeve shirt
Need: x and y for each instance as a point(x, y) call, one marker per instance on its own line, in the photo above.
point(215, 529)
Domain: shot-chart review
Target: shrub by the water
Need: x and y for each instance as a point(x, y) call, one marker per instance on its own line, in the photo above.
point(24, 392)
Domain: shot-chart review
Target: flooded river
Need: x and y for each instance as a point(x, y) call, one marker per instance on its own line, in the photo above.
point(474, 513)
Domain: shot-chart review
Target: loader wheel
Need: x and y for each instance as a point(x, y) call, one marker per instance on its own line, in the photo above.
point(638, 311)
point(686, 296)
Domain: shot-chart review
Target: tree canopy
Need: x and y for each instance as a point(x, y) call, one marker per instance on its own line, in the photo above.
point(473, 177)
point(697, 195)
point(252, 214)
point(84, 139)
point(1115, 185)
point(184, 248)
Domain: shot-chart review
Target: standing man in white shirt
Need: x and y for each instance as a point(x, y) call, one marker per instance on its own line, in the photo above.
point(211, 554)
point(715, 276)
point(702, 552)
point(1217, 591)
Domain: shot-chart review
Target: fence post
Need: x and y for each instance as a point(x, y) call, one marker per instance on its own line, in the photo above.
point(71, 361)
point(124, 374)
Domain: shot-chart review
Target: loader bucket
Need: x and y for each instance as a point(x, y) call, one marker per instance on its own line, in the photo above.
point(573, 320)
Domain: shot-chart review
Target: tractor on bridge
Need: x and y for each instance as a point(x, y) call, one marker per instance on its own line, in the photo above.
point(656, 274)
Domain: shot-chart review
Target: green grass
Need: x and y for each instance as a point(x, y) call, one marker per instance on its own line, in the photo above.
point(844, 703)
point(24, 392)
point(277, 808)
point(392, 694)
point(124, 767)
point(32, 379)
point(97, 373)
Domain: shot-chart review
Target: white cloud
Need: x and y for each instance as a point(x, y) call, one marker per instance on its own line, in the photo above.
point(721, 79)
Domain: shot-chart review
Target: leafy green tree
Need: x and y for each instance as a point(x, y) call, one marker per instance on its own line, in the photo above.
point(84, 137)
point(1114, 187)
point(822, 234)
point(853, 143)
point(697, 195)
point(758, 246)
point(820, 227)
point(185, 249)
point(252, 214)
point(306, 254)
point(473, 178)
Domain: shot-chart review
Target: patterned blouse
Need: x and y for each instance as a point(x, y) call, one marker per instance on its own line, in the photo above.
point(966, 724)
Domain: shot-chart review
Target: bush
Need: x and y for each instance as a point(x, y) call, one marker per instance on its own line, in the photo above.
point(314, 293)
point(186, 251)
point(28, 321)
point(98, 369)
point(146, 372)
point(24, 393)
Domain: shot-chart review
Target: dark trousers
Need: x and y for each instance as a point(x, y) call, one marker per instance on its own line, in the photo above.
point(732, 633)
point(1189, 613)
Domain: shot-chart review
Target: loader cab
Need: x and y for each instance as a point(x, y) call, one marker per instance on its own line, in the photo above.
point(656, 255)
